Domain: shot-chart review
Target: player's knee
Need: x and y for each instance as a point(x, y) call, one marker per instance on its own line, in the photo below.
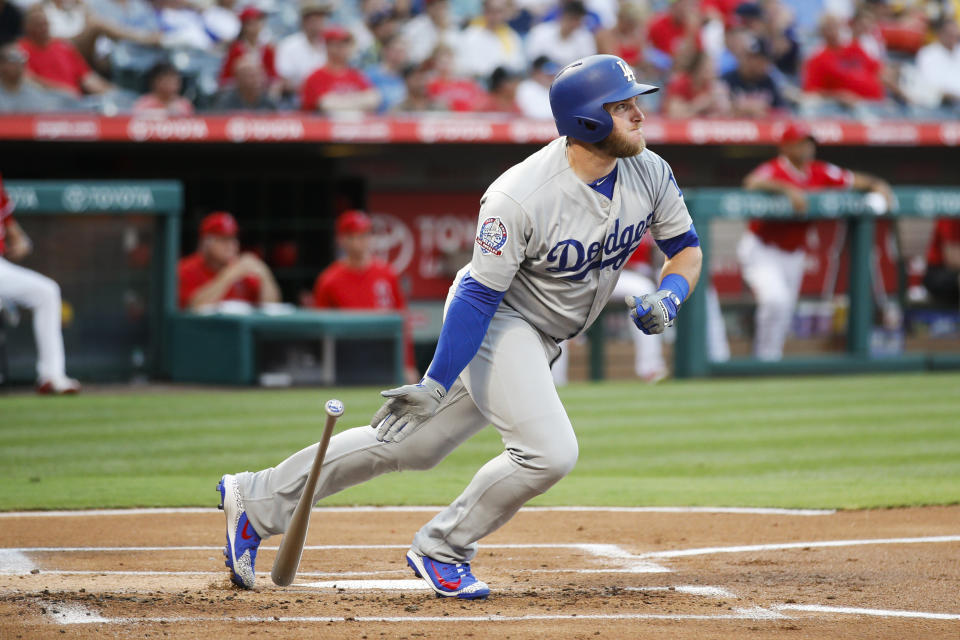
point(49, 290)
point(551, 460)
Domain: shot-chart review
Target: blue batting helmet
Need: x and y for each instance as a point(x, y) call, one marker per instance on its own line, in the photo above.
point(580, 90)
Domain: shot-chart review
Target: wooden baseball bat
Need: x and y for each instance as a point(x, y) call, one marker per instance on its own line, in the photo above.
point(291, 547)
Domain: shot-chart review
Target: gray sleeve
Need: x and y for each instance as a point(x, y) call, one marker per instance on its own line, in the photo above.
point(670, 215)
point(501, 241)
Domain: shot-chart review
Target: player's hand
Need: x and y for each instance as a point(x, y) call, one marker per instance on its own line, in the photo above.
point(653, 312)
point(406, 409)
point(798, 200)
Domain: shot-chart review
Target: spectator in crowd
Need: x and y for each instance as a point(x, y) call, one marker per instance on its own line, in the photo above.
point(458, 93)
point(676, 31)
point(218, 271)
point(628, 40)
point(222, 20)
point(772, 252)
point(865, 33)
point(380, 27)
point(564, 39)
point(387, 75)
point(429, 29)
point(489, 42)
point(416, 79)
point(337, 86)
point(938, 65)
point(72, 20)
point(164, 99)
point(18, 94)
point(842, 72)
point(184, 27)
point(359, 281)
point(249, 42)
point(56, 64)
point(503, 92)
point(248, 91)
point(942, 279)
point(696, 92)
point(40, 294)
point(533, 93)
point(302, 53)
point(753, 92)
point(11, 22)
point(772, 21)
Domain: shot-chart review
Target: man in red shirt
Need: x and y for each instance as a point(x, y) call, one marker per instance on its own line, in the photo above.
point(29, 289)
point(942, 278)
point(771, 253)
point(677, 30)
point(218, 272)
point(54, 63)
point(842, 71)
point(338, 86)
point(360, 281)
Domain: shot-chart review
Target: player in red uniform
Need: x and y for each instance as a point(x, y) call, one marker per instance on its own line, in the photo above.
point(942, 278)
point(218, 272)
point(360, 281)
point(772, 253)
point(40, 294)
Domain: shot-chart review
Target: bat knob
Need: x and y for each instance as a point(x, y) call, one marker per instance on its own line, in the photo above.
point(334, 408)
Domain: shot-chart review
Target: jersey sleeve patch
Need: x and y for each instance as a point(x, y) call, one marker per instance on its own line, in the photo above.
point(492, 237)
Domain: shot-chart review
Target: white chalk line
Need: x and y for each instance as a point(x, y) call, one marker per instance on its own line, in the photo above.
point(623, 561)
point(680, 553)
point(307, 574)
point(694, 590)
point(76, 614)
point(424, 509)
point(882, 613)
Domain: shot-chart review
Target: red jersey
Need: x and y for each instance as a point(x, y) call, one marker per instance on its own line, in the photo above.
point(666, 34)
point(6, 216)
point(376, 287)
point(58, 62)
point(194, 273)
point(326, 80)
point(458, 94)
point(946, 231)
point(239, 49)
point(817, 175)
point(847, 67)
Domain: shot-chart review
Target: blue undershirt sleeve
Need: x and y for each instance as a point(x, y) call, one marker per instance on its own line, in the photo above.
point(464, 327)
point(673, 246)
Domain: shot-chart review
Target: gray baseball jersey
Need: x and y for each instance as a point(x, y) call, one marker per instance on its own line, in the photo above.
point(556, 246)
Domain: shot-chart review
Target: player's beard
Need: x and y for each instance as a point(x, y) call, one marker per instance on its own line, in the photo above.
point(617, 145)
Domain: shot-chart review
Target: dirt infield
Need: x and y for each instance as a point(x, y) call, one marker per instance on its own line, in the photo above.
point(553, 573)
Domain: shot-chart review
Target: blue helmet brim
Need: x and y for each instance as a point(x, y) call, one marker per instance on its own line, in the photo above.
point(636, 89)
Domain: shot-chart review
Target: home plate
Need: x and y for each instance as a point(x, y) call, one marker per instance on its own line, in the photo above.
point(370, 585)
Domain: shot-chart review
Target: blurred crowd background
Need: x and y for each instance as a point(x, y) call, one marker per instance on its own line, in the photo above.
point(714, 58)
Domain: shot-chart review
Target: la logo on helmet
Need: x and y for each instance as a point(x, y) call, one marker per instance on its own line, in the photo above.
point(627, 71)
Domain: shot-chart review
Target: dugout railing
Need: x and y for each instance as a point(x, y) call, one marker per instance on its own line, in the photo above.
point(708, 204)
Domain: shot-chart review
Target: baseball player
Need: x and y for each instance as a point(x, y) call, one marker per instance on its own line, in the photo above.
point(771, 253)
point(218, 271)
point(40, 294)
point(359, 281)
point(553, 234)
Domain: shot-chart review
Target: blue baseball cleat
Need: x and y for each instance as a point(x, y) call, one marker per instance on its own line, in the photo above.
point(448, 580)
point(242, 540)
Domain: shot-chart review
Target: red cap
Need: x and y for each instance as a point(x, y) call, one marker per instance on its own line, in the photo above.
point(353, 221)
point(337, 33)
point(250, 13)
point(219, 223)
point(796, 131)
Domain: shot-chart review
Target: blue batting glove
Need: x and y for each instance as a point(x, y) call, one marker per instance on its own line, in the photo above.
point(654, 312)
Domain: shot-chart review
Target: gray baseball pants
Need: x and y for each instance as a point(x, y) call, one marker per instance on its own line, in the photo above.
point(508, 384)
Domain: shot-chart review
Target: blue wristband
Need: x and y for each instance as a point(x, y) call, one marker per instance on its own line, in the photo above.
point(676, 283)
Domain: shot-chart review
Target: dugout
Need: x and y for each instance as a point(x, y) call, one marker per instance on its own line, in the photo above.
point(286, 177)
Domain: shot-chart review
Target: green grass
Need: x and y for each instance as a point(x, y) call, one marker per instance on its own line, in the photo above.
point(844, 442)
